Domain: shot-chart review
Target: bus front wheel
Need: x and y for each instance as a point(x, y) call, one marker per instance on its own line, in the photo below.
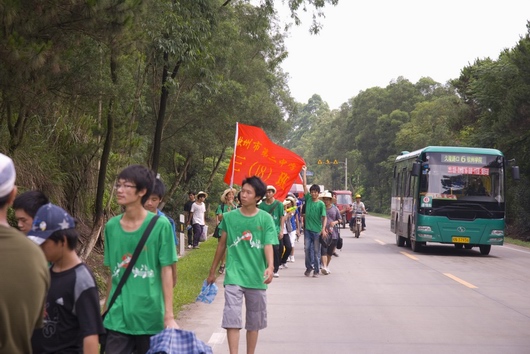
point(415, 246)
point(485, 249)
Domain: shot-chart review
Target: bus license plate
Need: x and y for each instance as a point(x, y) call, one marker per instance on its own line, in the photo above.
point(457, 239)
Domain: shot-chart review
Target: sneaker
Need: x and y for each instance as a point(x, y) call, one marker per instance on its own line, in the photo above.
point(289, 259)
point(221, 269)
point(190, 246)
point(324, 271)
point(292, 259)
point(276, 275)
point(307, 273)
point(335, 254)
point(316, 275)
point(285, 266)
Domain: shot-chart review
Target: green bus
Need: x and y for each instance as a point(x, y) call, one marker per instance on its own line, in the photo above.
point(452, 195)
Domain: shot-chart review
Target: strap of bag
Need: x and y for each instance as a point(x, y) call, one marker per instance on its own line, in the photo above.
point(129, 268)
point(274, 206)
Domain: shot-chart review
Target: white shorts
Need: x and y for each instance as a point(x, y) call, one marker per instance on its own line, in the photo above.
point(292, 236)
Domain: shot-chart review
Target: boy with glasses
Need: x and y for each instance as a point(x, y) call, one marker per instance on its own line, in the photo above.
point(145, 305)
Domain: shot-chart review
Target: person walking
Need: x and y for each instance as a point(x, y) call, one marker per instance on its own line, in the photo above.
point(294, 219)
point(187, 209)
point(329, 242)
point(285, 242)
point(196, 218)
point(152, 203)
point(26, 206)
point(227, 204)
point(132, 320)
point(276, 210)
point(247, 235)
point(314, 226)
point(72, 320)
point(24, 276)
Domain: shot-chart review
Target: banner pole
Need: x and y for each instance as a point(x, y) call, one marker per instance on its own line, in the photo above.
point(234, 155)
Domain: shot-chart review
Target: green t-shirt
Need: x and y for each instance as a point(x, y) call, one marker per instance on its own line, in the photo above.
point(246, 237)
point(314, 211)
point(277, 214)
point(140, 307)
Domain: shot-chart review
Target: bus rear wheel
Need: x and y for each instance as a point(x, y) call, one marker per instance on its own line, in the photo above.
point(485, 249)
point(400, 241)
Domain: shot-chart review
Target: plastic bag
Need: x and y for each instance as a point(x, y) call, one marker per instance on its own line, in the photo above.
point(208, 292)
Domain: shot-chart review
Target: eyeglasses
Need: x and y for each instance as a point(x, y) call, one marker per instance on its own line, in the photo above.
point(118, 186)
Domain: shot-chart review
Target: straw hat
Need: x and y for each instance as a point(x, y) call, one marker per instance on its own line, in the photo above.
point(203, 193)
point(325, 194)
point(228, 190)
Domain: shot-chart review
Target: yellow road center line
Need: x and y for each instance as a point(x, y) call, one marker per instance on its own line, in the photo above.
point(458, 280)
point(380, 242)
point(409, 255)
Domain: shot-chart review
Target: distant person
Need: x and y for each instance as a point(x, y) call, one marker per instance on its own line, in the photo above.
point(358, 206)
point(152, 203)
point(227, 204)
point(26, 206)
point(187, 209)
point(294, 219)
point(276, 210)
point(145, 305)
point(72, 321)
point(197, 217)
point(314, 226)
point(287, 229)
point(247, 235)
point(24, 276)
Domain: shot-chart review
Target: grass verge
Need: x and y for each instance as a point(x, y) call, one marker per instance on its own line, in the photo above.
point(517, 242)
point(192, 270)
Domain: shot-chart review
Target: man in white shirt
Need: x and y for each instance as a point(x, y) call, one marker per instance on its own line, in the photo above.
point(196, 217)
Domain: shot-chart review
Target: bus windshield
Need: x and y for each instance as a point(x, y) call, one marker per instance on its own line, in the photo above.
point(448, 178)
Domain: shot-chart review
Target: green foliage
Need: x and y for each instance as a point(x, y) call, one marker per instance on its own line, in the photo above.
point(192, 270)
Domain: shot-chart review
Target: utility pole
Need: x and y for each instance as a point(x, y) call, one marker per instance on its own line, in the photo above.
point(346, 174)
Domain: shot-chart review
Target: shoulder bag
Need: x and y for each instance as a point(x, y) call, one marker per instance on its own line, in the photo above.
point(128, 270)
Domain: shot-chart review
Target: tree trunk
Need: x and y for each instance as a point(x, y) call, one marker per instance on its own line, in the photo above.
point(157, 141)
point(102, 176)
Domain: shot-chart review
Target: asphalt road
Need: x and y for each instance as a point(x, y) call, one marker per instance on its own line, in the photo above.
point(380, 298)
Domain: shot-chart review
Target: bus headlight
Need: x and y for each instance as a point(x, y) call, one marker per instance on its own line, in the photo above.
point(497, 232)
point(424, 228)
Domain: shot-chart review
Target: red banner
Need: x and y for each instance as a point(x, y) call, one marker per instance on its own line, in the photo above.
point(256, 155)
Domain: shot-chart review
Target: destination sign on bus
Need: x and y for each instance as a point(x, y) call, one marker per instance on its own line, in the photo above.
point(467, 159)
point(462, 170)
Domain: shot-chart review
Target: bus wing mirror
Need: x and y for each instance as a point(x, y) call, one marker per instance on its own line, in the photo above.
point(416, 169)
point(515, 173)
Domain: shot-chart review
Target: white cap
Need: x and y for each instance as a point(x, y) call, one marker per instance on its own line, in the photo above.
point(7, 175)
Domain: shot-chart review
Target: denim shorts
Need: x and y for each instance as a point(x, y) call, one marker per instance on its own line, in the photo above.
point(255, 303)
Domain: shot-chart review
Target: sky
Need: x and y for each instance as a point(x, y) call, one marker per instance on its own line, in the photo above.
point(367, 43)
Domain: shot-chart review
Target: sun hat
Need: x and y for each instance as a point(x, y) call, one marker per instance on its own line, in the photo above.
point(228, 190)
point(203, 193)
point(7, 175)
point(325, 194)
point(49, 218)
point(271, 188)
point(357, 196)
point(291, 199)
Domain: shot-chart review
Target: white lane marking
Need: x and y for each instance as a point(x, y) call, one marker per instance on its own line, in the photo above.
point(217, 338)
point(515, 249)
point(380, 242)
point(458, 280)
point(409, 255)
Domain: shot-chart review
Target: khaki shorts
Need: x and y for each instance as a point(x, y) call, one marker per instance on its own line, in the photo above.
point(255, 303)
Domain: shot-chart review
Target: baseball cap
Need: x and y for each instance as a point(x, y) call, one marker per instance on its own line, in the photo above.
point(7, 175)
point(49, 218)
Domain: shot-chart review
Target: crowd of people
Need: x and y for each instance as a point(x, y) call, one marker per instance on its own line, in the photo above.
point(49, 300)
